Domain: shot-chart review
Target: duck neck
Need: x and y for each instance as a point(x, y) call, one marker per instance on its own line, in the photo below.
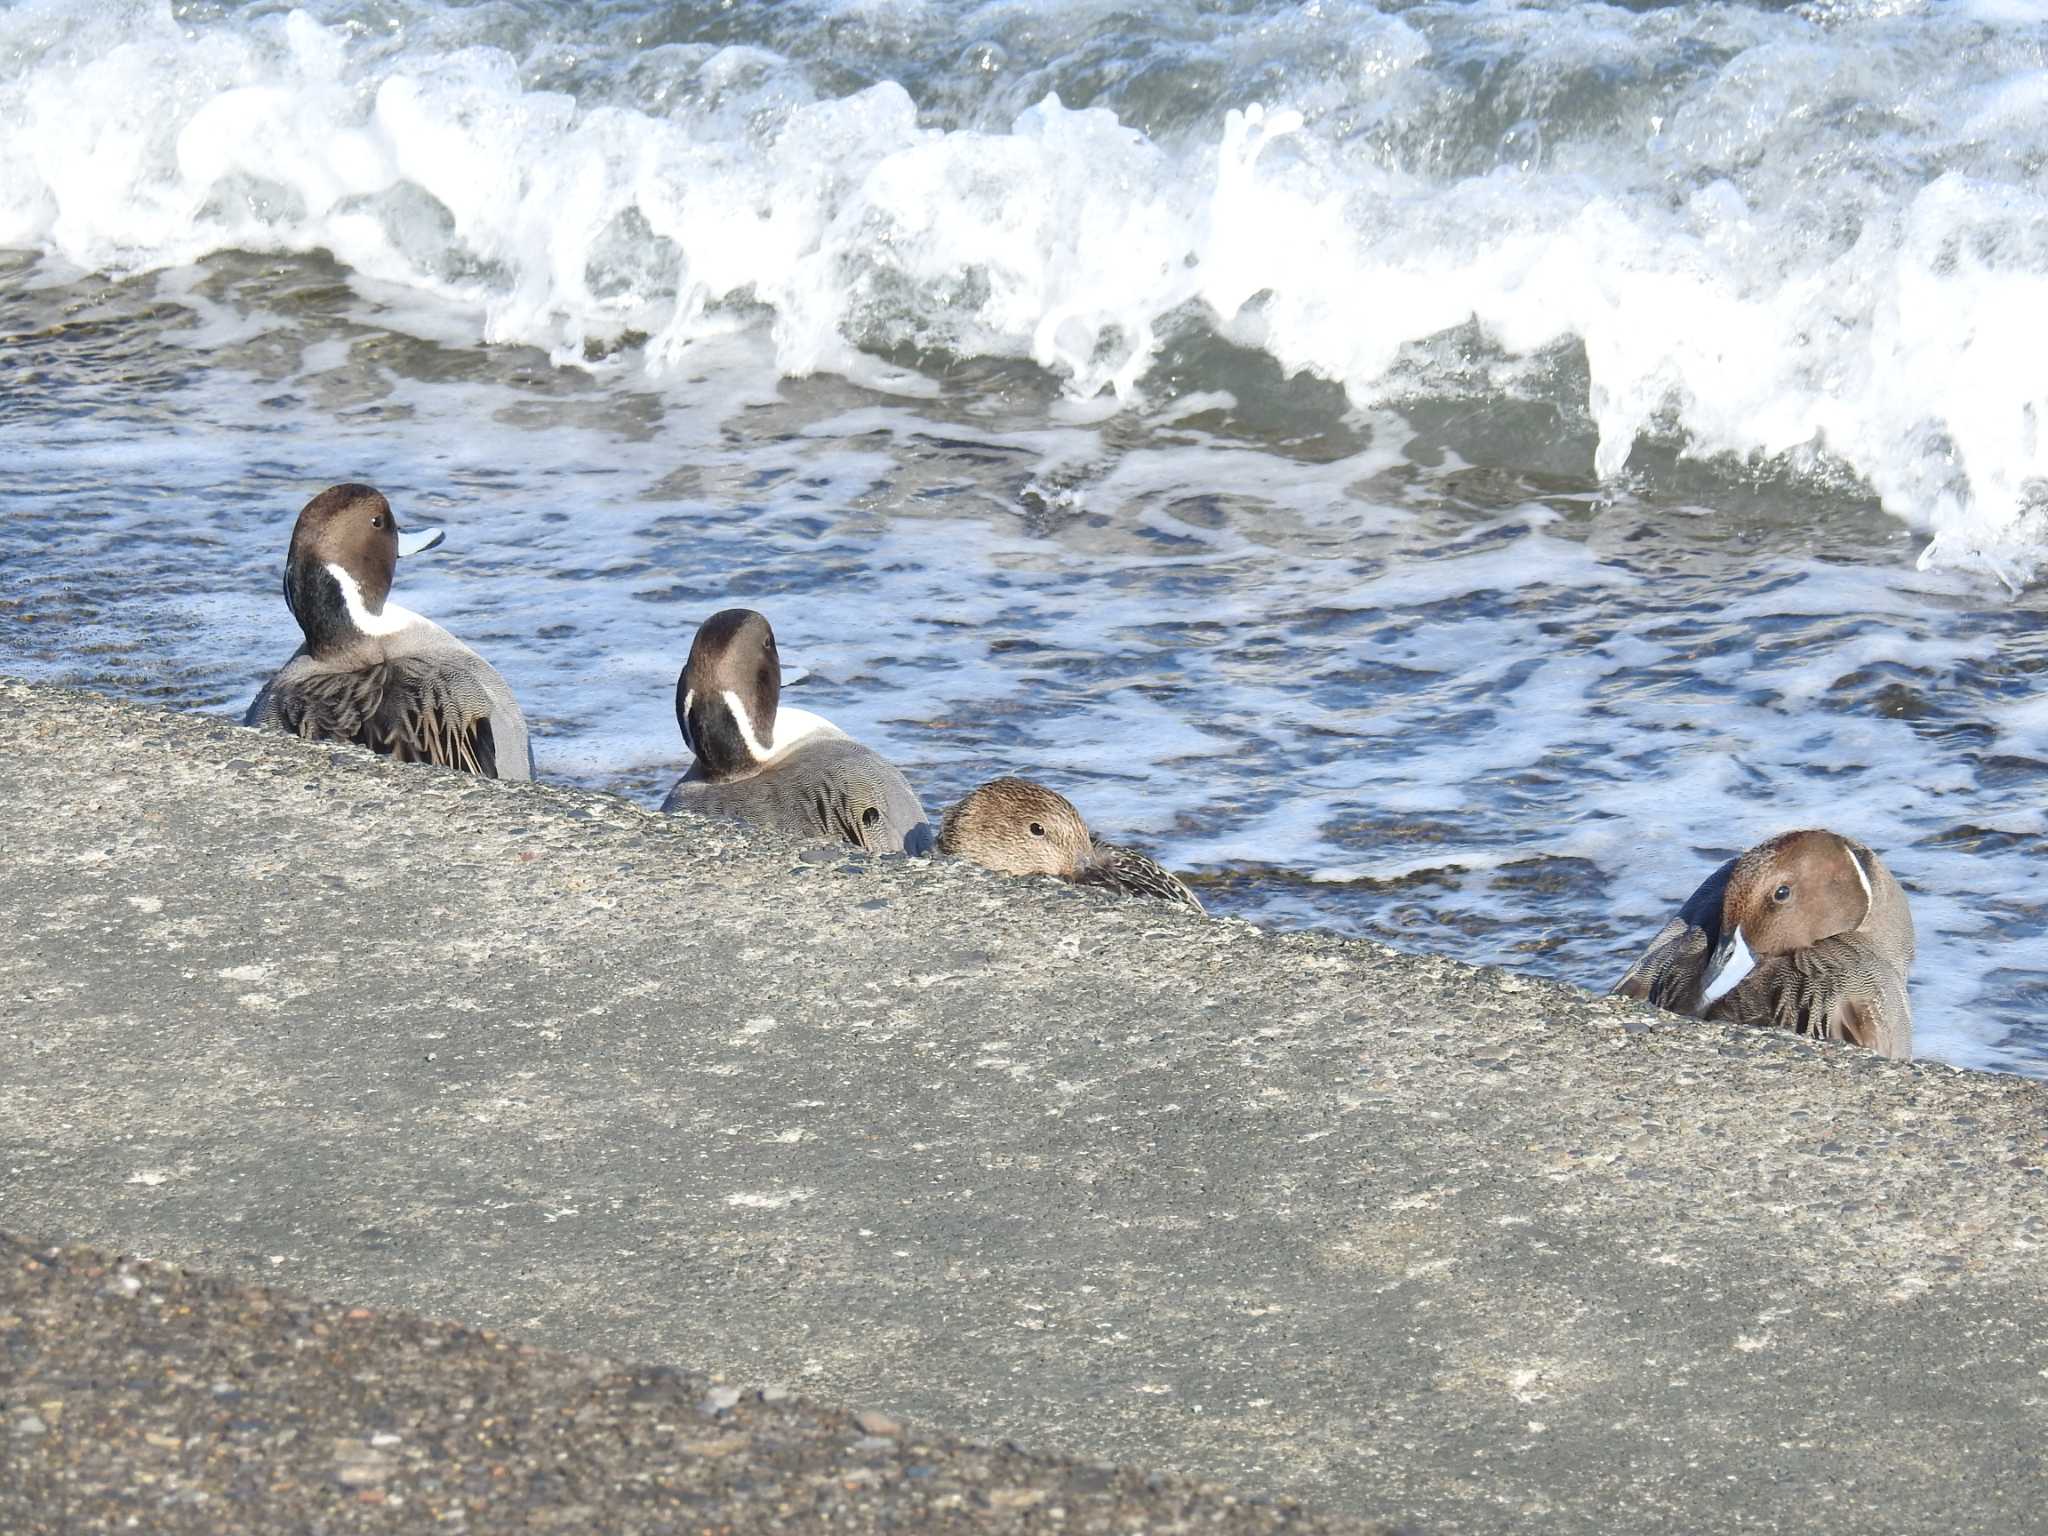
point(724, 736)
point(333, 609)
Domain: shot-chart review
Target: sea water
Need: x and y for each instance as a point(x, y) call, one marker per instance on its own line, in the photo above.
point(1445, 472)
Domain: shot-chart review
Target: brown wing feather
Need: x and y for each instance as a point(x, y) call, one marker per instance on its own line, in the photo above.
point(1126, 869)
point(839, 812)
point(1668, 973)
point(422, 722)
point(404, 712)
point(1855, 1019)
point(1672, 970)
point(1838, 989)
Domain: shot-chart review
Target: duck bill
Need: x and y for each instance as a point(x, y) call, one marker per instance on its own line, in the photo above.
point(1726, 967)
point(419, 543)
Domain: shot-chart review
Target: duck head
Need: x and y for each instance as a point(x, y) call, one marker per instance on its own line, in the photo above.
point(1785, 895)
point(1020, 828)
point(728, 693)
point(337, 572)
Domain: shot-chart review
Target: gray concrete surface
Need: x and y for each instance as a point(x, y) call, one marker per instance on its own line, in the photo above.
point(1406, 1239)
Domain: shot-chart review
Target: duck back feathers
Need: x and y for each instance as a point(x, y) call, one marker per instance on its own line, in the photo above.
point(827, 786)
point(430, 699)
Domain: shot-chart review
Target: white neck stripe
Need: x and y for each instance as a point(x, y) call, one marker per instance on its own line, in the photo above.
point(1869, 900)
point(791, 726)
point(745, 721)
point(389, 622)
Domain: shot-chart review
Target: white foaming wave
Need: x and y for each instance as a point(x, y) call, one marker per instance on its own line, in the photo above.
point(1799, 687)
point(1469, 861)
point(1534, 560)
point(1887, 313)
point(2024, 726)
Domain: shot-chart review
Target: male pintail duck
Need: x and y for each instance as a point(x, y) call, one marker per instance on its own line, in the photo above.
point(787, 768)
point(1020, 827)
point(1807, 932)
point(371, 672)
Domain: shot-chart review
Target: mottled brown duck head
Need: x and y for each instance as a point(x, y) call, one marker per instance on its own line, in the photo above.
point(1019, 828)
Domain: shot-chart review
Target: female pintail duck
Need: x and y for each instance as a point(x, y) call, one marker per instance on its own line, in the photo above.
point(1020, 827)
point(787, 768)
point(371, 672)
point(1807, 932)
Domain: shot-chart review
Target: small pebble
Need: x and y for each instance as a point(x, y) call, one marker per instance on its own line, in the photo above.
point(1015, 1498)
point(721, 1400)
point(878, 1424)
point(356, 1465)
point(31, 1424)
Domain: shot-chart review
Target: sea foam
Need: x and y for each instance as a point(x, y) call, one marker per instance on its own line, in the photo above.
point(1814, 237)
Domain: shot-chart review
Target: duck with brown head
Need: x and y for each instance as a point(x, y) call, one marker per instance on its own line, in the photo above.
point(757, 761)
point(1807, 932)
point(1019, 827)
point(376, 674)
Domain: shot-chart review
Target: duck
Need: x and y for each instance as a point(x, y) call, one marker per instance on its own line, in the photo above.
point(755, 760)
point(372, 672)
point(1020, 827)
point(1807, 931)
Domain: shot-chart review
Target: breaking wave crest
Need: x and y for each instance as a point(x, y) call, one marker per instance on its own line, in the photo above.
point(1813, 238)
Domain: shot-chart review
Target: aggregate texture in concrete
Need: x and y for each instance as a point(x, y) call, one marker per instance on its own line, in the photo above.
point(1403, 1238)
point(147, 1397)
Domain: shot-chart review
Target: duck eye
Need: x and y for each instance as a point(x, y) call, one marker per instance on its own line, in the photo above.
point(1037, 829)
point(1782, 893)
point(377, 521)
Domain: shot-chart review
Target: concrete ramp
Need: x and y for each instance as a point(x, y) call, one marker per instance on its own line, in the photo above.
point(1309, 1217)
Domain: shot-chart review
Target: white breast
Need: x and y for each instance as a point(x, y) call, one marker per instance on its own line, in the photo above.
point(795, 725)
